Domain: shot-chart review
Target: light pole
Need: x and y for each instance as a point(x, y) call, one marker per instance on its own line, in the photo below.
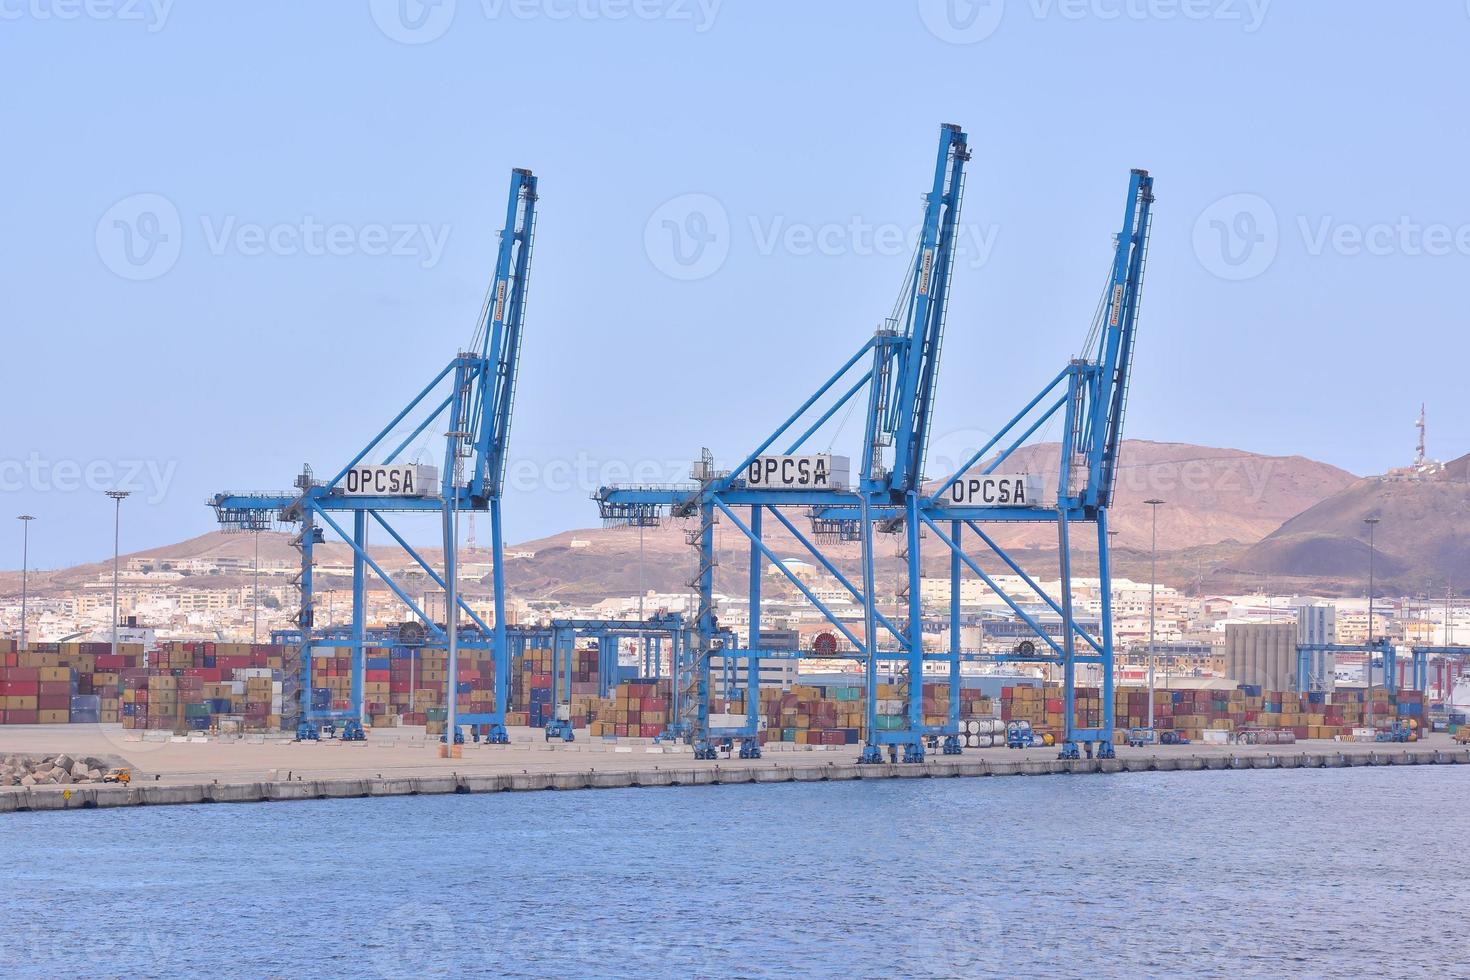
point(255, 595)
point(642, 589)
point(1112, 547)
point(1153, 577)
point(25, 545)
point(118, 496)
point(1372, 522)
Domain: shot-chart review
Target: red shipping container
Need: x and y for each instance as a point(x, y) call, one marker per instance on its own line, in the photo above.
point(54, 702)
point(649, 731)
point(15, 716)
point(22, 688)
point(377, 676)
point(23, 674)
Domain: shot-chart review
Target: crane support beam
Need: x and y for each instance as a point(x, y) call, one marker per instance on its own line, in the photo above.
point(481, 384)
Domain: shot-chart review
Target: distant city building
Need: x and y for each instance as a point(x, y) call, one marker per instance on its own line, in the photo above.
point(1316, 624)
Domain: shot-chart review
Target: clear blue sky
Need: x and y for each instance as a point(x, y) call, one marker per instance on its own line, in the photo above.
point(227, 369)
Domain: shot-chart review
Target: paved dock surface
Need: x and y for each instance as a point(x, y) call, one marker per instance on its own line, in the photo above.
point(406, 762)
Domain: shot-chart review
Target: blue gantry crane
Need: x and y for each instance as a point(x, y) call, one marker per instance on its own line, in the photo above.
point(649, 635)
point(1090, 396)
point(901, 362)
point(1444, 654)
point(470, 403)
point(898, 369)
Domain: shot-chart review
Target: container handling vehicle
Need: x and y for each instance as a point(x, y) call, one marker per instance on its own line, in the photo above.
point(1400, 731)
point(1019, 735)
point(1139, 737)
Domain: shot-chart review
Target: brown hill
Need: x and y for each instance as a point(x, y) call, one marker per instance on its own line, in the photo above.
point(1210, 495)
point(1422, 539)
point(1218, 502)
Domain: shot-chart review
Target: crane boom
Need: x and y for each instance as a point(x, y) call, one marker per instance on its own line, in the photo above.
point(1109, 395)
point(907, 360)
point(500, 350)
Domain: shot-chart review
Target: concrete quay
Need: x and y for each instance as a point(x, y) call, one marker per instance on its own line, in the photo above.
point(183, 772)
